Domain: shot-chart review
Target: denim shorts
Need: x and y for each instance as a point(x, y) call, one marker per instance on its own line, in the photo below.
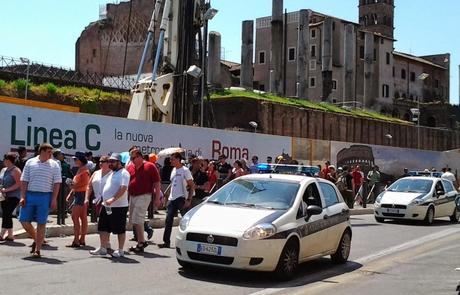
point(79, 198)
point(36, 208)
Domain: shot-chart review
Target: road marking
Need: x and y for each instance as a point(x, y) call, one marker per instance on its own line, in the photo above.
point(407, 245)
point(379, 254)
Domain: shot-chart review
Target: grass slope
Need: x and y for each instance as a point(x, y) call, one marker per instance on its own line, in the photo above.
point(303, 103)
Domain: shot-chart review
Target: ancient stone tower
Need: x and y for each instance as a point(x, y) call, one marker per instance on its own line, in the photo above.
point(377, 16)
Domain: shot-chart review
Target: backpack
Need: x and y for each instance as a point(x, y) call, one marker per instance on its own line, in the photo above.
point(342, 182)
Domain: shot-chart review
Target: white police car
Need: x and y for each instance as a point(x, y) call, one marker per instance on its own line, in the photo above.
point(266, 222)
point(418, 198)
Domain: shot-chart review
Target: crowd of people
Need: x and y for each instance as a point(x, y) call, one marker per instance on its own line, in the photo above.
point(122, 190)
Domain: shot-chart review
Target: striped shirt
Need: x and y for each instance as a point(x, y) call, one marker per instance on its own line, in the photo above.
point(41, 176)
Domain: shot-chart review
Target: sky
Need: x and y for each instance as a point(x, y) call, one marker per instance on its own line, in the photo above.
point(45, 31)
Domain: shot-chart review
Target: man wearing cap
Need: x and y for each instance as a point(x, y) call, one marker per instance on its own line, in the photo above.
point(254, 168)
point(224, 169)
point(144, 181)
point(115, 209)
point(66, 171)
point(182, 191)
point(373, 177)
point(22, 159)
point(41, 180)
point(90, 163)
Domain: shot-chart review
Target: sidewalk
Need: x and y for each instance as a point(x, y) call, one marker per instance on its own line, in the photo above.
point(55, 230)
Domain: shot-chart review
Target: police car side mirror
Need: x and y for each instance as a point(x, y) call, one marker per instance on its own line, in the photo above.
point(440, 193)
point(313, 210)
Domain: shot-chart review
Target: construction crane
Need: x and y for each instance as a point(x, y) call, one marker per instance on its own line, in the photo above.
point(173, 92)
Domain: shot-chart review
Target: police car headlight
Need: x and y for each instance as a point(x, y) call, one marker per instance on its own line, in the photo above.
point(184, 222)
point(260, 231)
point(379, 198)
point(416, 202)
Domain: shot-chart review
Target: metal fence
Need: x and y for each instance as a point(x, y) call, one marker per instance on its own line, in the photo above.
point(16, 68)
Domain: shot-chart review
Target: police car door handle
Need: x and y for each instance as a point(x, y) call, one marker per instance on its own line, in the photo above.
point(326, 216)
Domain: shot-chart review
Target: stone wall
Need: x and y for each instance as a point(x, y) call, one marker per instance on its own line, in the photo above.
point(285, 120)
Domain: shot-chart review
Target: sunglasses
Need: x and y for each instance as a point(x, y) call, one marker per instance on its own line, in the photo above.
point(113, 161)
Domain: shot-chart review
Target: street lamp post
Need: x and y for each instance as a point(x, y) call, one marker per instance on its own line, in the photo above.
point(416, 117)
point(389, 137)
point(253, 125)
point(26, 61)
point(422, 78)
point(208, 15)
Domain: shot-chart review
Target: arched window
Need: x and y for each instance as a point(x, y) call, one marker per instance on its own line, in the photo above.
point(407, 116)
point(431, 122)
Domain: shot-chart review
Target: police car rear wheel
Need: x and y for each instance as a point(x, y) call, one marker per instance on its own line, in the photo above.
point(343, 250)
point(429, 218)
point(455, 216)
point(288, 261)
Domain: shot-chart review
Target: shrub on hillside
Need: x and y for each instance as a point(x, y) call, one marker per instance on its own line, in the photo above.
point(20, 84)
point(2, 84)
point(51, 88)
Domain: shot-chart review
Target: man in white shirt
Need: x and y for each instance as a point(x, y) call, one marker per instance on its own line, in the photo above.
point(40, 184)
point(182, 190)
point(113, 215)
point(449, 176)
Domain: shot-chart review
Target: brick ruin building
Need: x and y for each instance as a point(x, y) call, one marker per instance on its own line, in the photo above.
point(101, 46)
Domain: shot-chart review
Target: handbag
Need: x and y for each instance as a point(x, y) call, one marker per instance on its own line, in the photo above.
point(2, 197)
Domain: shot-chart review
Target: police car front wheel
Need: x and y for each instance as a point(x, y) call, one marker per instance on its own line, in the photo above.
point(288, 261)
point(343, 250)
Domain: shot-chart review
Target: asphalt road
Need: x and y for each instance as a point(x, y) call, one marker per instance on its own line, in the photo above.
point(390, 258)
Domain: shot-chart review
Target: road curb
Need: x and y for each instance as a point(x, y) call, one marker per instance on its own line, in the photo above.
point(361, 211)
point(55, 230)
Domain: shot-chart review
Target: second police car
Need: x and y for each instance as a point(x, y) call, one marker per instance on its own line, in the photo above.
point(418, 198)
point(266, 222)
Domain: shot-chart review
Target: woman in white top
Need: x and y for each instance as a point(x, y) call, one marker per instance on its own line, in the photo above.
point(97, 182)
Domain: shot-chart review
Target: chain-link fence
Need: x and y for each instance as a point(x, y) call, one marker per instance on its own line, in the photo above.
point(14, 68)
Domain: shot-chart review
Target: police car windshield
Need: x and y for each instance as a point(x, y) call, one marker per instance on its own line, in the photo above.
point(411, 185)
point(259, 194)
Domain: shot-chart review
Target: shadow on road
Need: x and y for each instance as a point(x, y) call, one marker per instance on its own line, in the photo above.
point(122, 260)
point(310, 272)
point(13, 244)
point(150, 255)
point(436, 222)
point(365, 224)
point(45, 260)
point(49, 247)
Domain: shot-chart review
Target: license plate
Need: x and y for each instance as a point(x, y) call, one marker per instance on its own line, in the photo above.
point(392, 210)
point(209, 249)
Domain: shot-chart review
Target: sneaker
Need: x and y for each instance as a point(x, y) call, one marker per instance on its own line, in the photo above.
point(99, 251)
point(149, 233)
point(118, 253)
